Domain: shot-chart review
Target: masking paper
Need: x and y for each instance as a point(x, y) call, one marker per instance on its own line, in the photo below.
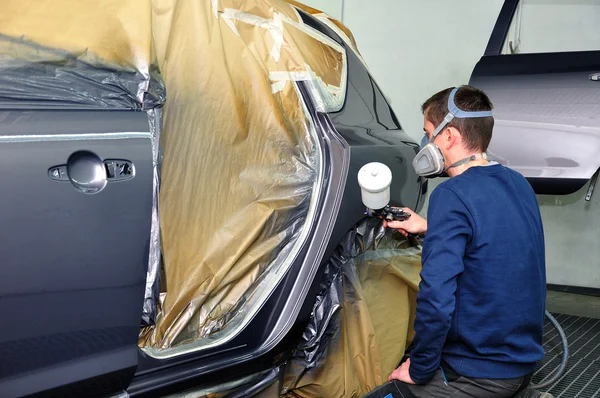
point(80, 53)
point(363, 317)
point(240, 169)
point(237, 169)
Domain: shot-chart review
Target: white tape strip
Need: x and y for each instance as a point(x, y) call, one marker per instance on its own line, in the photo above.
point(278, 86)
point(327, 98)
point(215, 7)
point(227, 18)
point(273, 26)
point(280, 78)
point(277, 36)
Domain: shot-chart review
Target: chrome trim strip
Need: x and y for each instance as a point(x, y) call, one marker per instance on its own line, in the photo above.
point(72, 137)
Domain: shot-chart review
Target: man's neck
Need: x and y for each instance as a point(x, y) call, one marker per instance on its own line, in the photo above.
point(458, 170)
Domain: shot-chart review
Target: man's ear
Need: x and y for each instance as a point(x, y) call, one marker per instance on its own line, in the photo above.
point(452, 137)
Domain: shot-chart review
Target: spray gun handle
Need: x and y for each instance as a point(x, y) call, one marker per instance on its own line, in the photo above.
point(389, 213)
point(396, 214)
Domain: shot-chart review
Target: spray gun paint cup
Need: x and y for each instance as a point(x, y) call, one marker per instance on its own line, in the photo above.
point(375, 179)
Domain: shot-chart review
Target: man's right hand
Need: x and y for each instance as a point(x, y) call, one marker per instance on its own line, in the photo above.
point(414, 225)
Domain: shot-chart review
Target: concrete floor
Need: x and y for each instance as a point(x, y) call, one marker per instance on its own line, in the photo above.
point(573, 304)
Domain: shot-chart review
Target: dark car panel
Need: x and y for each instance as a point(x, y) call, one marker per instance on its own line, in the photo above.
point(546, 108)
point(73, 264)
point(364, 130)
point(73, 296)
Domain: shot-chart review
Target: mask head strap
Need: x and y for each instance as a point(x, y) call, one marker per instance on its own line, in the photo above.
point(467, 160)
point(455, 112)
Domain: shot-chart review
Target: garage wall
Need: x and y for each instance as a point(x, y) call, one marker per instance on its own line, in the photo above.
point(415, 48)
point(331, 7)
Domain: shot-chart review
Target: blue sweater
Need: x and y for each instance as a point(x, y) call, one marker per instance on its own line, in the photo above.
point(481, 300)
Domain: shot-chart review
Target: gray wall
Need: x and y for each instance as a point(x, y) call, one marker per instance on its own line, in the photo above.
point(415, 48)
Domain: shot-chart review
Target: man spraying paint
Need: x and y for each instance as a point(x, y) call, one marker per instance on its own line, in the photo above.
point(480, 307)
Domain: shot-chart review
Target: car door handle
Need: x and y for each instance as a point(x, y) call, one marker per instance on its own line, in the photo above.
point(595, 77)
point(89, 174)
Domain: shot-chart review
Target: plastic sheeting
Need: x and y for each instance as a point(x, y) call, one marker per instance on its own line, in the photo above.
point(363, 318)
point(152, 290)
point(240, 169)
point(237, 171)
point(80, 55)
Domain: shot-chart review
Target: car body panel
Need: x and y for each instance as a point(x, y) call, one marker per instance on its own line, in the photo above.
point(364, 130)
point(73, 264)
point(82, 287)
point(546, 108)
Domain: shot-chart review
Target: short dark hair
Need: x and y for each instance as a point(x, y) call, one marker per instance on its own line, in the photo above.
point(476, 132)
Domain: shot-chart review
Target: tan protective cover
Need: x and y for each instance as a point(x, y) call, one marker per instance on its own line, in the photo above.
point(116, 32)
point(377, 315)
point(239, 166)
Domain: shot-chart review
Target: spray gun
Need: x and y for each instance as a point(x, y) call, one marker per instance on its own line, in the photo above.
point(375, 180)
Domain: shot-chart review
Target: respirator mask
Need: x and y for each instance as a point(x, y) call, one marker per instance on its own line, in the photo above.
point(429, 162)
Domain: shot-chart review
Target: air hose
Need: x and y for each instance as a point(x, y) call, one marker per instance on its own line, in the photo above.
point(565, 356)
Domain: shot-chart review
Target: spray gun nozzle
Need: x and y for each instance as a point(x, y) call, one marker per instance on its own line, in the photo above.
point(389, 213)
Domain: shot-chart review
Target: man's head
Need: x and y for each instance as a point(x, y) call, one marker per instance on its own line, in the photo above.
point(462, 136)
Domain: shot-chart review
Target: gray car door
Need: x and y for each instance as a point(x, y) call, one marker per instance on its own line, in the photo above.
point(541, 70)
point(75, 217)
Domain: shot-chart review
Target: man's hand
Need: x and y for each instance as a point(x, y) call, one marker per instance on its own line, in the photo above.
point(414, 225)
point(402, 373)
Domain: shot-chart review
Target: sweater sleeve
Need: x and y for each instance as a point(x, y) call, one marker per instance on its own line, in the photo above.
point(448, 231)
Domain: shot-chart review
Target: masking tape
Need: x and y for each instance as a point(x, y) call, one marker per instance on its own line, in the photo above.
point(327, 98)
